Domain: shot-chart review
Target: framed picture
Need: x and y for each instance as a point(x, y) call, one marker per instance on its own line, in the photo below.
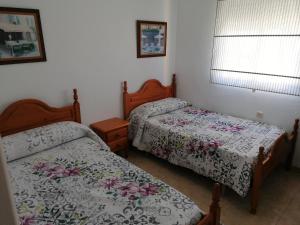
point(21, 36)
point(151, 39)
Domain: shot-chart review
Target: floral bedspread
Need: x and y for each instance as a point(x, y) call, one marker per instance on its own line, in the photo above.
point(81, 183)
point(218, 146)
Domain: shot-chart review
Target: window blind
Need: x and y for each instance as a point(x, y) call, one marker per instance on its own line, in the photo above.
point(257, 45)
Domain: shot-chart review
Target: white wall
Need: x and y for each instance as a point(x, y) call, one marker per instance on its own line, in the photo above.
point(193, 59)
point(90, 45)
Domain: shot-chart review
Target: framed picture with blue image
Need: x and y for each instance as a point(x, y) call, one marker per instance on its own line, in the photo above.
point(151, 39)
point(21, 36)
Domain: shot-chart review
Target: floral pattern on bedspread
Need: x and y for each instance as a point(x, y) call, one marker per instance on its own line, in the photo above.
point(218, 146)
point(150, 109)
point(77, 183)
point(39, 139)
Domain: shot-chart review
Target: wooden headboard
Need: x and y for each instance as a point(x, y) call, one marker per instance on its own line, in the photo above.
point(30, 113)
point(152, 90)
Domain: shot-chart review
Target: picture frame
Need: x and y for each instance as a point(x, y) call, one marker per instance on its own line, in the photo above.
point(21, 36)
point(151, 38)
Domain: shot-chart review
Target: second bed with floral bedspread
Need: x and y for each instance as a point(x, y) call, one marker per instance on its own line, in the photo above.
point(65, 174)
point(218, 146)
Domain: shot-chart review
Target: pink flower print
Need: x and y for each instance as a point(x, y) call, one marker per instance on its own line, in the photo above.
point(129, 189)
point(175, 122)
point(71, 172)
point(110, 183)
point(132, 197)
point(167, 121)
point(55, 172)
point(214, 144)
point(214, 127)
point(27, 220)
point(197, 112)
point(194, 145)
point(236, 128)
point(41, 166)
point(227, 127)
point(161, 152)
point(148, 189)
point(182, 122)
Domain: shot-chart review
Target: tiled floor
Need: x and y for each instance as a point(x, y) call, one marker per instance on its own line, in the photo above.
point(279, 205)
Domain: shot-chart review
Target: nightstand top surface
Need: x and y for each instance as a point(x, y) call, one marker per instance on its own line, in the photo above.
point(112, 124)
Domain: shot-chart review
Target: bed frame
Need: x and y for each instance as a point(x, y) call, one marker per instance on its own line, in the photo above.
point(31, 113)
point(284, 146)
point(152, 90)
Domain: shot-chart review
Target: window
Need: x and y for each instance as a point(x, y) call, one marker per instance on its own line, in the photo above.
point(257, 45)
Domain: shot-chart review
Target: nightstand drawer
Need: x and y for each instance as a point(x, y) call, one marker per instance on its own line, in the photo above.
point(114, 132)
point(120, 144)
point(117, 134)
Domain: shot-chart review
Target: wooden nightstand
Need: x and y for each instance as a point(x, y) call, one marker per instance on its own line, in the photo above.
point(114, 132)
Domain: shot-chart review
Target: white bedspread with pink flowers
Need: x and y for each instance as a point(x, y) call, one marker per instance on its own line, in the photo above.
point(63, 174)
point(218, 146)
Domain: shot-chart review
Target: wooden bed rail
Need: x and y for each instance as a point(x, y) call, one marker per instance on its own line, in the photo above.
point(213, 216)
point(283, 147)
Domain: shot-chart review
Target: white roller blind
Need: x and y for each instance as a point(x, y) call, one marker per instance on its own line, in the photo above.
point(257, 45)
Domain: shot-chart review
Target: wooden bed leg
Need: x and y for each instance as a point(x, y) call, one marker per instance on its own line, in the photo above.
point(214, 209)
point(213, 216)
point(257, 181)
point(291, 154)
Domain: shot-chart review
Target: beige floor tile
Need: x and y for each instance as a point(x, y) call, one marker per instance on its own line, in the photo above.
point(291, 214)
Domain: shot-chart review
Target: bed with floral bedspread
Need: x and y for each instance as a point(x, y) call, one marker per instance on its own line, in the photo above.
point(64, 174)
point(218, 146)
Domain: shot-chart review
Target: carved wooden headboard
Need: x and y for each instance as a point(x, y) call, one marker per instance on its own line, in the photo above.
point(30, 113)
point(152, 90)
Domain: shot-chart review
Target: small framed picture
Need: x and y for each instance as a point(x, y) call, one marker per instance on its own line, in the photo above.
point(151, 39)
point(21, 36)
